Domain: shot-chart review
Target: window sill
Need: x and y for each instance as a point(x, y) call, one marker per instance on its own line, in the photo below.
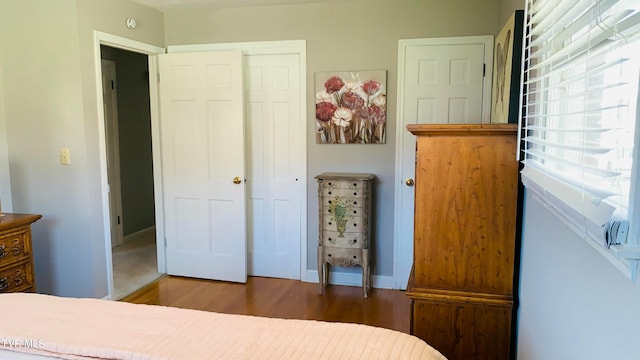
point(630, 255)
point(625, 258)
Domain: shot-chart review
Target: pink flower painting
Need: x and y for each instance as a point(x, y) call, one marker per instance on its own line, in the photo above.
point(351, 107)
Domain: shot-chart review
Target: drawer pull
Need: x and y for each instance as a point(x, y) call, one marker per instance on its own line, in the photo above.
point(354, 184)
point(354, 224)
point(3, 283)
point(355, 257)
point(355, 193)
point(329, 255)
point(329, 183)
point(355, 203)
point(329, 192)
point(329, 222)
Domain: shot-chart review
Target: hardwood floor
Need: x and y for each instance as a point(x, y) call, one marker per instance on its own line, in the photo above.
point(281, 298)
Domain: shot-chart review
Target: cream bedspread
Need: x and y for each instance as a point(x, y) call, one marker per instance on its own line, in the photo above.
point(99, 329)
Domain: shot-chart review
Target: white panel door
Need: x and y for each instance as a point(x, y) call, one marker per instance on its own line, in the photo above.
point(441, 84)
point(202, 131)
point(274, 165)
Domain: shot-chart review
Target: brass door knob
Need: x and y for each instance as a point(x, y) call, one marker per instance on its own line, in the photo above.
point(237, 180)
point(409, 182)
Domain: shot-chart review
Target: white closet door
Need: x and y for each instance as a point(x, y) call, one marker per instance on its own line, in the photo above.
point(274, 164)
point(202, 130)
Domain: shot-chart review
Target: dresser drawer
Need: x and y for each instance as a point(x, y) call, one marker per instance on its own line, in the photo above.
point(345, 193)
point(14, 245)
point(350, 224)
point(347, 240)
point(351, 211)
point(18, 277)
point(343, 184)
point(343, 257)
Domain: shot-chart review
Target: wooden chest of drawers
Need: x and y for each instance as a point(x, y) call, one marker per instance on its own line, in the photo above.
point(345, 210)
point(466, 195)
point(16, 257)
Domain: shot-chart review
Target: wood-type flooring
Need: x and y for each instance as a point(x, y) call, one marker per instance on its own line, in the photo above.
point(281, 298)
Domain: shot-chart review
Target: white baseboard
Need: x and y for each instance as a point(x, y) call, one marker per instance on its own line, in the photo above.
point(351, 279)
point(138, 234)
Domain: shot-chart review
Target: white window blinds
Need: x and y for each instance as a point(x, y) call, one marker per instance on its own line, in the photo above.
point(578, 120)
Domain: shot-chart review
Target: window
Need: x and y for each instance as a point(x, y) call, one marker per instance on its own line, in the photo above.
point(579, 119)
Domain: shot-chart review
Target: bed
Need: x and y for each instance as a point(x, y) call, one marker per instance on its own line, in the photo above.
point(36, 326)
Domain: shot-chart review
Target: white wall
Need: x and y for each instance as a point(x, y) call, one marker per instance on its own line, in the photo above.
point(573, 303)
point(5, 178)
point(108, 16)
point(507, 8)
point(50, 102)
point(43, 112)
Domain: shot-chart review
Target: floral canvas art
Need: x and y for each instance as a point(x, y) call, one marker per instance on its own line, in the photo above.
point(351, 107)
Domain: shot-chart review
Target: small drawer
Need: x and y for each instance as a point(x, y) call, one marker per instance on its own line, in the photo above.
point(14, 246)
point(344, 193)
point(16, 278)
point(342, 257)
point(351, 211)
point(347, 240)
point(350, 224)
point(343, 184)
point(348, 201)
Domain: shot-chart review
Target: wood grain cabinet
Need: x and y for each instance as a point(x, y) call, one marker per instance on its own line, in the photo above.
point(16, 257)
point(345, 203)
point(462, 280)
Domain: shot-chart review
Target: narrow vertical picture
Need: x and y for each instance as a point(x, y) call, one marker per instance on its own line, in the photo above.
point(506, 71)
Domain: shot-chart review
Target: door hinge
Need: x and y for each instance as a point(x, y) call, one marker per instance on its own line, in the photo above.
point(165, 241)
point(118, 219)
point(113, 86)
point(484, 70)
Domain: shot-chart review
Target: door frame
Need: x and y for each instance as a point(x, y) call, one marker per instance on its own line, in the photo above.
point(114, 156)
point(101, 38)
point(298, 47)
point(403, 248)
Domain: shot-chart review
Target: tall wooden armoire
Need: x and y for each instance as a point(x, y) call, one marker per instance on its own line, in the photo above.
point(462, 283)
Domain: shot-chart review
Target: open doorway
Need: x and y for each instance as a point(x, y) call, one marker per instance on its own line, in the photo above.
point(127, 114)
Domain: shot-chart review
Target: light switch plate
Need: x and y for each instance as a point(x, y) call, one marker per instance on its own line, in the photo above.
point(65, 156)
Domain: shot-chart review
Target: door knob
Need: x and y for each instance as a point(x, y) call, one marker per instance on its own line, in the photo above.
point(237, 180)
point(409, 182)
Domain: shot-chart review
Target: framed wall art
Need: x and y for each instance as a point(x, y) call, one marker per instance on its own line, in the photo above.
point(351, 107)
point(507, 72)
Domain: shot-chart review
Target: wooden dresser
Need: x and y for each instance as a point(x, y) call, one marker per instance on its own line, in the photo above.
point(462, 281)
point(16, 257)
point(345, 203)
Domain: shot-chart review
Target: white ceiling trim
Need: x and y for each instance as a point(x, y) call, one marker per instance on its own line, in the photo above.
point(219, 4)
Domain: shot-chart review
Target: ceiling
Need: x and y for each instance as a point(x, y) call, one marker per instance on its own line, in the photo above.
point(219, 4)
